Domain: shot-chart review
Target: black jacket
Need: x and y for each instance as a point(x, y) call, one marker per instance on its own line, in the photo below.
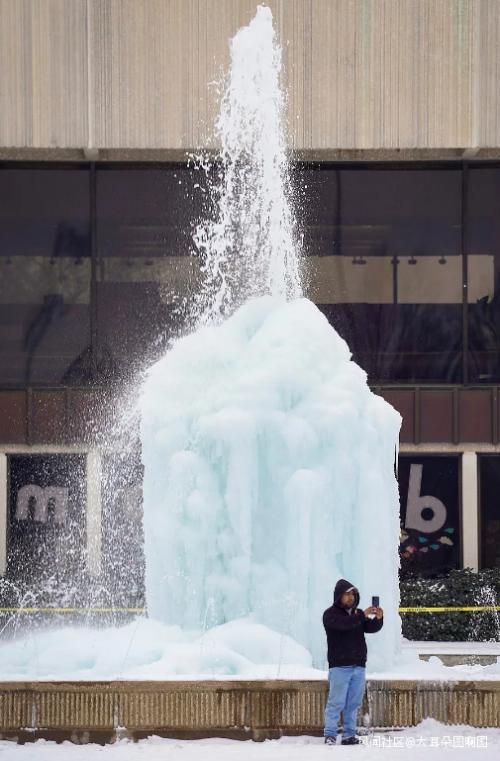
point(345, 632)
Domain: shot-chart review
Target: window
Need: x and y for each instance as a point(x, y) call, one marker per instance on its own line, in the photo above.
point(385, 266)
point(44, 275)
point(489, 489)
point(384, 263)
point(145, 218)
point(430, 513)
point(483, 264)
point(46, 527)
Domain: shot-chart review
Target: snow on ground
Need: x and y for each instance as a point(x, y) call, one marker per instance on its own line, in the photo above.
point(416, 743)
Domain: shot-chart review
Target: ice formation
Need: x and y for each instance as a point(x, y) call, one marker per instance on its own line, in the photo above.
point(148, 649)
point(269, 464)
point(269, 473)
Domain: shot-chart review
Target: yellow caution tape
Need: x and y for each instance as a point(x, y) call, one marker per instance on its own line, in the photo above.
point(470, 609)
point(72, 610)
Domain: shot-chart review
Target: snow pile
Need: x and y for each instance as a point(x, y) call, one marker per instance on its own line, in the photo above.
point(269, 474)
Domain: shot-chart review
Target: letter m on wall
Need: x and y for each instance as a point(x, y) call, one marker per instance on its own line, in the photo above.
point(42, 498)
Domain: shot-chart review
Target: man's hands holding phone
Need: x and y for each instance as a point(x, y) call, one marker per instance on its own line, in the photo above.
point(371, 611)
point(374, 611)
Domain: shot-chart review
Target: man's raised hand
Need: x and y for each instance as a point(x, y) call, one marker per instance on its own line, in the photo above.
point(372, 611)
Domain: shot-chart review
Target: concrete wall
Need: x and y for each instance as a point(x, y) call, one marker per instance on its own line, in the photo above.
point(362, 75)
point(258, 709)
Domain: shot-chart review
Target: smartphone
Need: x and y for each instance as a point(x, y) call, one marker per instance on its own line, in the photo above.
point(375, 602)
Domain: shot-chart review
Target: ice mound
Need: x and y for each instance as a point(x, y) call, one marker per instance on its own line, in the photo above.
point(147, 649)
point(269, 474)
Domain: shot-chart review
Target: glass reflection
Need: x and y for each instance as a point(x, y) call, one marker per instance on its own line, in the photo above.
point(145, 218)
point(385, 267)
point(383, 264)
point(483, 264)
point(45, 274)
point(489, 480)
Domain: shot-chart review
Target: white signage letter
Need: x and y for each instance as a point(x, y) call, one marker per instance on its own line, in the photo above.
point(417, 503)
point(42, 497)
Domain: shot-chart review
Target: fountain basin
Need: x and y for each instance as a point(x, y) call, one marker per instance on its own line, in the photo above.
point(249, 709)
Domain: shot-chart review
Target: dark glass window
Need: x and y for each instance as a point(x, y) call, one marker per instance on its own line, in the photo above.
point(145, 219)
point(483, 265)
point(46, 529)
point(489, 489)
point(44, 274)
point(430, 513)
point(385, 266)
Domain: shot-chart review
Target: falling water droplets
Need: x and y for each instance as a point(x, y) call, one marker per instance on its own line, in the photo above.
point(248, 246)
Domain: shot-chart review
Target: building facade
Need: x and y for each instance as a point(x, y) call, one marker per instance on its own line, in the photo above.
point(394, 134)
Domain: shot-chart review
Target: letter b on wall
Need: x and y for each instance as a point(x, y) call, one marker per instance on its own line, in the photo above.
point(417, 503)
point(430, 511)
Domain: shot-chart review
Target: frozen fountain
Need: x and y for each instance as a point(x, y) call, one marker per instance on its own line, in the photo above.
point(269, 464)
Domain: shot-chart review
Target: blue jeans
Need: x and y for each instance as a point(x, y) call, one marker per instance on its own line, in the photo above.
point(347, 687)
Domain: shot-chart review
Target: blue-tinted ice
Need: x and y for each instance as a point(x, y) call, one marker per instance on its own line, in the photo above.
point(269, 473)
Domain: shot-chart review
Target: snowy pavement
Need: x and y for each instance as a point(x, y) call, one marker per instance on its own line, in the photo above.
point(416, 743)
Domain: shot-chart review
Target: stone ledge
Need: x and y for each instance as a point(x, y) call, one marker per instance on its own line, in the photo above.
point(103, 711)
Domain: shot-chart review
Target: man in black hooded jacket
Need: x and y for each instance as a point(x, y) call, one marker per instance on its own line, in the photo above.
point(345, 625)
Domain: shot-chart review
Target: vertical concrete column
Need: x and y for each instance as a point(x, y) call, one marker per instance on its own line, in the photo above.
point(470, 512)
point(3, 513)
point(94, 541)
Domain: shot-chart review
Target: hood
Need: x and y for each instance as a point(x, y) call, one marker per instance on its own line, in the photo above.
point(342, 586)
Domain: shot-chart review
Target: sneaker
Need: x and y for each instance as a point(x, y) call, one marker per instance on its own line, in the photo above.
point(351, 741)
point(330, 740)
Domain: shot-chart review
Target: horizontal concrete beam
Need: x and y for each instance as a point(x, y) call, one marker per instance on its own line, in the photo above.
point(182, 155)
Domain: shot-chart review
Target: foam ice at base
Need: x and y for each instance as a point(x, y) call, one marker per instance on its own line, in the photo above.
point(148, 649)
point(268, 474)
